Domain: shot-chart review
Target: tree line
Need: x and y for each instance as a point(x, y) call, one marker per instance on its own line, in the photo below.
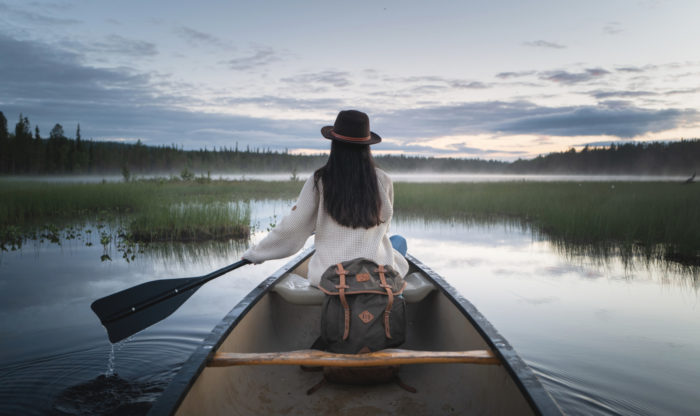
point(635, 158)
point(25, 151)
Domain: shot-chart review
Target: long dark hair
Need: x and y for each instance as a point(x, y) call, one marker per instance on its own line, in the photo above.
point(350, 189)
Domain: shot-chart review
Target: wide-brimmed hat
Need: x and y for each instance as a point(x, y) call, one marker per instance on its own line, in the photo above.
point(351, 126)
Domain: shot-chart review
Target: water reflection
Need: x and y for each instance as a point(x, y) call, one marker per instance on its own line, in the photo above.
point(604, 339)
point(606, 334)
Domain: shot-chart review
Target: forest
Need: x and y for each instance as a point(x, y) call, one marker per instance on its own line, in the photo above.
point(25, 151)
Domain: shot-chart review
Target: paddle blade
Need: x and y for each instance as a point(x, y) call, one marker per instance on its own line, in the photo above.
point(129, 311)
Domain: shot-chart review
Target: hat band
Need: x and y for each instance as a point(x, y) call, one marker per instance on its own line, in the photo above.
point(354, 139)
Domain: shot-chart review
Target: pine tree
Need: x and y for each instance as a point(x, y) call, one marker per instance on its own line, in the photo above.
point(57, 132)
point(4, 134)
point(77, 138)
point(4, 144)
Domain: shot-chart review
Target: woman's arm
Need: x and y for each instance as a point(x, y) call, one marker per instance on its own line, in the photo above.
point(291, 233)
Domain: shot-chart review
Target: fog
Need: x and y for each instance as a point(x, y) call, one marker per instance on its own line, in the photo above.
point(396, 176)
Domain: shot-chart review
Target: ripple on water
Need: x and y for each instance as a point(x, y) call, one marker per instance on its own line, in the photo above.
point(93, 387)
point(570, 393)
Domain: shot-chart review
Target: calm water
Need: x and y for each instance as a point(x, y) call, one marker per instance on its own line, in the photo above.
point(602, 337)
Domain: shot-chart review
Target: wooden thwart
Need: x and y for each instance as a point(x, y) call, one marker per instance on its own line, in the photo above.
point(378, 358)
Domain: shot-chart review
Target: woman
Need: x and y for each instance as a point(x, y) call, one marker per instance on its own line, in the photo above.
point(348, 204)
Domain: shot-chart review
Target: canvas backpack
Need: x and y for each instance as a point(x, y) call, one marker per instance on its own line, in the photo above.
point(363, 310)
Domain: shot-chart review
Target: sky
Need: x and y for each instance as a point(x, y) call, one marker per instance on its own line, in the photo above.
point(491, 80)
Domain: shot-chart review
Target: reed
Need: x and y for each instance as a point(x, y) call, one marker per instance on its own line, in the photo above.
point(191, 222)
point(156, 210)
point(31, 203)
point(647, 217)
point(659, 217)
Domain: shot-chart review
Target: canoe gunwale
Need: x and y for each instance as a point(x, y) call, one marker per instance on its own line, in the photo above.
point(176, 391)
point(538, 398)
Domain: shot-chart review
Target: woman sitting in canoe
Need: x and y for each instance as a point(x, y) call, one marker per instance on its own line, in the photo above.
point(348, 204)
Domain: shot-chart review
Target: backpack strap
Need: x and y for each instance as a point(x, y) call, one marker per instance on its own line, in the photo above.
point(389, 303)
point(341, 292)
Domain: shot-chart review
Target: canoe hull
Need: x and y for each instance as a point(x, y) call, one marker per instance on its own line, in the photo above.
point(443, 321)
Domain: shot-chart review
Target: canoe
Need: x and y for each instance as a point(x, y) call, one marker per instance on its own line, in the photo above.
point(277, 322)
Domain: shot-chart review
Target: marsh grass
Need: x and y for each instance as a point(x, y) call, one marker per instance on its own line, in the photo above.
point(652, 219)
point(156, 210)
point(28, 203)
point(648, 218)
point(191, 222)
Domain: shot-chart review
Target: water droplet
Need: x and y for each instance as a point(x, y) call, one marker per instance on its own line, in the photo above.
point(110, 363)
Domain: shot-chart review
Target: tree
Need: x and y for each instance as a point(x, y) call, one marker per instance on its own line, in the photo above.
point(77, 137)
point(4, 134)
point(4, 144)
point(57, 132)
point(22, 130)
point(58, 149)
point(21, 146)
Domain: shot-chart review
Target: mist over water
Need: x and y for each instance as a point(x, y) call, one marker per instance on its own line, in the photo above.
point(420, 177)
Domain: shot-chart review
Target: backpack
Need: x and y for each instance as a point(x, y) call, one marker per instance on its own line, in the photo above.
point(363, 310)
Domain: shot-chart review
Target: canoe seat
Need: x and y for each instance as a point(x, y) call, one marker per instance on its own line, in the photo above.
point(297, 290)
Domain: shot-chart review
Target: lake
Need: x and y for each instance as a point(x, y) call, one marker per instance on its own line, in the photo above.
point(604, 335)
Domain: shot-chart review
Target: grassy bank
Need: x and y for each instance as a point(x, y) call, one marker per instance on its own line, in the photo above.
point(659, 217)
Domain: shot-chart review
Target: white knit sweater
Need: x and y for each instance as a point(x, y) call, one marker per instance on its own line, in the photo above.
point(334, 243)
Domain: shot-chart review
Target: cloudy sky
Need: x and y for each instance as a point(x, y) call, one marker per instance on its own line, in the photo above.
point(491, 80)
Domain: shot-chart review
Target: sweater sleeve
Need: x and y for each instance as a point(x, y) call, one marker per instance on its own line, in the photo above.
point(293, 230)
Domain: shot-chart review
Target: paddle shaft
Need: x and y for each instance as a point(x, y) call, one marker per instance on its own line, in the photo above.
point(175, 291)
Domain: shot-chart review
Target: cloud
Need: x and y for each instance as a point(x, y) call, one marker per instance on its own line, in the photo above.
point(612, 28)
point(116, 45)
point(468, 85)
point(599, 144)
point(261, 56)
point(463, 148)
point(196, 38)
point(568, 78)
point(522, 117)
point(436, 82)
point(615, 103)
point(509, 75)
point(622, 122)
point(34, 71)
point(337, 79)
point(636, 69)
point(35, 18)
point(270, 101)
point(684, 91)
point(544, 44)
point(599, 94)
point(52, 85)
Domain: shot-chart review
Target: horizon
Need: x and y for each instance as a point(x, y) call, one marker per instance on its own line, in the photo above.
point(469, 80)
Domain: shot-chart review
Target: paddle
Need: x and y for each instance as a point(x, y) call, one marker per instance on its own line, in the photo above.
point(131, 310)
